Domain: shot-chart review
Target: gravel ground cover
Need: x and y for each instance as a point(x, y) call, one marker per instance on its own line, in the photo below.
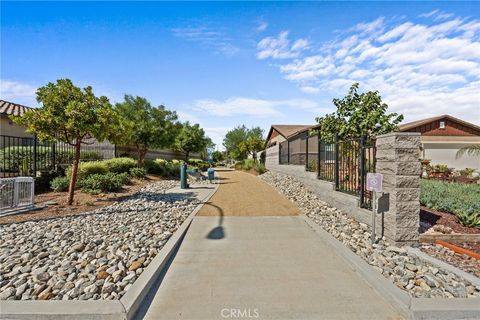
point(408, 272)
point(462, 261)
point(96, 255)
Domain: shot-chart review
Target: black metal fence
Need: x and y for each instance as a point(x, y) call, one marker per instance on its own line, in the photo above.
point(343, 162)
point(27, 155)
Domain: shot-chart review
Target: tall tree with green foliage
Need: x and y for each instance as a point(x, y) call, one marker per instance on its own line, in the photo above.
point(358, 114)
point(74, 116)
point(235, 141)
point(252, 145)
point(148, 126)
point(191, 138)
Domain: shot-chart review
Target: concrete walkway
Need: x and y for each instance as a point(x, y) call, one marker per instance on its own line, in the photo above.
point(264, 268)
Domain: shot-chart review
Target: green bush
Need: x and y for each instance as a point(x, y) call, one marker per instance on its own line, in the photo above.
point(86, 169)
point(60, 184)
point(153, 167)
point(198, 163)
point(249, 164)
point(138, 173)
point(108, 182)
point(44, 180)
point(120, 165)
point(463, 200)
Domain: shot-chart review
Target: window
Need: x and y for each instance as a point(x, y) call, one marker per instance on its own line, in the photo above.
point(442, 124)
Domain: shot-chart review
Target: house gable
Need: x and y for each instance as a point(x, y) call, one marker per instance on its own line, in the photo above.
point(442, 126)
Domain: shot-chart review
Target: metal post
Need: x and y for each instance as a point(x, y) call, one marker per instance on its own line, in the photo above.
point(279, 153)
point(337, 163)
point(318, 154)
point(54, 155)
point(374, 211)
point(35, 156)
point(306, 153)
point(183, 176)
point(362, 171)
point(288, 153)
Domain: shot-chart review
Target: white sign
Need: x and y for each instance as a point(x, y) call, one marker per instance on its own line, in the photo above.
point(374, 182)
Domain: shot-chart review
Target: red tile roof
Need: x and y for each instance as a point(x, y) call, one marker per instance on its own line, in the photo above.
point(10, 108)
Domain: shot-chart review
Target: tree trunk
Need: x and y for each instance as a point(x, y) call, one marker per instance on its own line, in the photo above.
point(141, 157)
point(73, 178)
point(186, 156)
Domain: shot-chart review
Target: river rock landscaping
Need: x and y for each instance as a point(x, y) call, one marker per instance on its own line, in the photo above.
point(95, 255)
point(407, 271)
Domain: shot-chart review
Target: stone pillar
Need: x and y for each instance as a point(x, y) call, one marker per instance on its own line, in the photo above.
point(398, 159)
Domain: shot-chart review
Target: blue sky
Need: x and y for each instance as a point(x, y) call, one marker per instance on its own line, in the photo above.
point(256, 63)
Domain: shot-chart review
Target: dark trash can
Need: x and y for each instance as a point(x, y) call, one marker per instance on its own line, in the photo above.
point(211, 174)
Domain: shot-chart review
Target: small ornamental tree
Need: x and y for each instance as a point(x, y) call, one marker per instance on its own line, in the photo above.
point(358, 114)
point(252, 145)
point(191, 138)
point(236, 145)
point(73, 116)
point(148, 127)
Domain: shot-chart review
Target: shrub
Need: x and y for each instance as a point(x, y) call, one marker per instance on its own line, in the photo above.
point(60, 184)
point(198, 163)
point(138, 173)
point(259, 167)
point(43, 182)
point(86, 169)
point(120, 165)
point(153, 167)
point(249, 164)
point(463, 200)
point(108, 182)
point(469, 219)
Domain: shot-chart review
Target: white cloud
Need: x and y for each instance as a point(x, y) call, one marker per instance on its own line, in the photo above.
point(420, 69)
point(308, 89)
point(217, 134)
point(280, 48)
point(262, 26)
point(187, 116)
point(208, 37)
point(16, 90)
point(237, 106)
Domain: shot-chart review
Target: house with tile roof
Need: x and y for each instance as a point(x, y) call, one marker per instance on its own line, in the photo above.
point(7, 127)
point(443, 136)
point(281, 132)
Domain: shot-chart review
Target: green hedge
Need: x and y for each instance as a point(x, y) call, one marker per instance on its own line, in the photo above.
point(108, 182)
point(463, 200)
point(163, 167)
point(120, 165)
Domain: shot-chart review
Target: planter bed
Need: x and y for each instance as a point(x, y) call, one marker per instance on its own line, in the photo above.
point(96, 255)
point(419, 278)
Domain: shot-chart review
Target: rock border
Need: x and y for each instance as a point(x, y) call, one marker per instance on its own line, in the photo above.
point(413, 308)
point(125, 308)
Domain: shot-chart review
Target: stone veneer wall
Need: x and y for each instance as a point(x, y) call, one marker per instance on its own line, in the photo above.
point(398, 159)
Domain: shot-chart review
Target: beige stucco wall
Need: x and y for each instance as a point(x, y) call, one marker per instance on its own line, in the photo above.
point(445, 153)
point(8, 128)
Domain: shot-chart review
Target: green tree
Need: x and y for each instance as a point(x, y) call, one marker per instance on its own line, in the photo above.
point(191, 138)
point(235, 141)
point(74, 116)
point(218, 156)
point(358, 114)
point(148, 127)
point(252, 145)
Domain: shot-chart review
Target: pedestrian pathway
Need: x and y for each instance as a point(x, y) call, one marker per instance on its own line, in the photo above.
point(264, 267)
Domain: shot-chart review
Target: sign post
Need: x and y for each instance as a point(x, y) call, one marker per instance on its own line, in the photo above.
point(374, 184)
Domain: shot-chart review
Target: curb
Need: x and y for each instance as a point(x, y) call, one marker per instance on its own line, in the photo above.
point(413, 308)
point(123, 309)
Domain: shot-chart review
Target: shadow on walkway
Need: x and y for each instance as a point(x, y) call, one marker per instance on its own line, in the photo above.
point(218, 232)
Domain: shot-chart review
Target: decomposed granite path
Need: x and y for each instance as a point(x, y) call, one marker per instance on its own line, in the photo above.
point(255, 265)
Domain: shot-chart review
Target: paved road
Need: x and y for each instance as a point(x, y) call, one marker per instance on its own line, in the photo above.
point(273, 267)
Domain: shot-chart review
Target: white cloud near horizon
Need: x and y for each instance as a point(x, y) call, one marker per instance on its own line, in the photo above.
point(262, 108)
point(420, 69)
point(18, 92)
